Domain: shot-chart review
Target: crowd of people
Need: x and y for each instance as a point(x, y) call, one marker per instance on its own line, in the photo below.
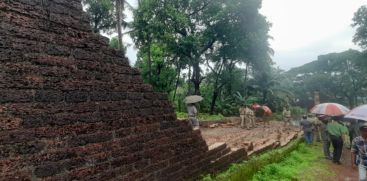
point(335, 132)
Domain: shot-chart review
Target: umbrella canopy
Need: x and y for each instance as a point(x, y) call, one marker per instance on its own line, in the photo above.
point(267, 110)
point(359, 113)
point(330, 109)
point(255, 106)
point(193, 99)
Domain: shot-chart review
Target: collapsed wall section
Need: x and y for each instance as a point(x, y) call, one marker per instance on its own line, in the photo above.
point(71, 108)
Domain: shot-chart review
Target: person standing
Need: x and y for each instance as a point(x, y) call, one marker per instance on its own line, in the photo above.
point(307, 129)
point(246, 117)
point(325, 136)
point(359, 151)
point(242, 111)
point(192, 112)
point(286, 116)
point(336, 131)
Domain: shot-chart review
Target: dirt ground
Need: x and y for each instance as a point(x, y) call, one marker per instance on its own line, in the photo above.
point(251, 139)
point(344, 172)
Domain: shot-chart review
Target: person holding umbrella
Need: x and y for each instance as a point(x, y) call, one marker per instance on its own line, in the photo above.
point(192, 111)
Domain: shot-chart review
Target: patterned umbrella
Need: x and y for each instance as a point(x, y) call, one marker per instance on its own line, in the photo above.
point(359, 113)
point(330, 109)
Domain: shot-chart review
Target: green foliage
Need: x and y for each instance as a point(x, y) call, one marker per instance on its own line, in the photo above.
point(101, 13)
point(297, 112)
point(201, 116)
point(278, 116)
point(247, 169)
point(338, 77)
point(360, 22)
point(158, 73)
point(196, 33)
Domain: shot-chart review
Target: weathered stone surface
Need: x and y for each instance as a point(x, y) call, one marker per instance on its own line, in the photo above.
point(71, 108)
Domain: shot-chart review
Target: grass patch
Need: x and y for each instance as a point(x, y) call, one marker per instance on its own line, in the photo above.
point(201, 117)
point(295, 165)
point(247, 169)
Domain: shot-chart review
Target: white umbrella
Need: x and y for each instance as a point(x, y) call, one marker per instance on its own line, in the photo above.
point(359, 113)
point(193, 99)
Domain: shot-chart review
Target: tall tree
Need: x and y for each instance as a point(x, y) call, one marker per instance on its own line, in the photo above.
point(120, 6)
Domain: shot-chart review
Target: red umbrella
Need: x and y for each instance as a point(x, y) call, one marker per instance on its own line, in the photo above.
point(267, 110)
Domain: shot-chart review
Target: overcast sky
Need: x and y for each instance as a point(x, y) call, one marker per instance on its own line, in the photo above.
point(301, 29)
point(304, 29)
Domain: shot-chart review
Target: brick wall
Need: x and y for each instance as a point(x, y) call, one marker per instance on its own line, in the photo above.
point(73, 109)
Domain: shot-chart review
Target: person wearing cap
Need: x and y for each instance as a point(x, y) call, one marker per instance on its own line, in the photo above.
point(307, 129)
point(359, 151)
point(336, 132)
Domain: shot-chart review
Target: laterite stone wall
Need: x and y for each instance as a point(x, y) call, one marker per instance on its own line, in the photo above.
point(71, 108)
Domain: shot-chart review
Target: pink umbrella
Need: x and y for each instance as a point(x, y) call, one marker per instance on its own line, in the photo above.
point(359, 113)
point(330, 109)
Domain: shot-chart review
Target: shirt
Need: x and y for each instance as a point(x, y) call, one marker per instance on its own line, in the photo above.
point(336, 129)
point(191, 110)
point(359, 147)
point(306, 125)
point(287, 113)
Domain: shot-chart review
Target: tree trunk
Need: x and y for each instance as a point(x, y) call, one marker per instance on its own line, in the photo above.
point(246, 74)
point(214, 99)
point(119, 9)
point(196, 78)
point(177, 81)
point(189, 82)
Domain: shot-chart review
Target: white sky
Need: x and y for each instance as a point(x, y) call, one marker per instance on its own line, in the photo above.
point(304, 29)
point(301, 29)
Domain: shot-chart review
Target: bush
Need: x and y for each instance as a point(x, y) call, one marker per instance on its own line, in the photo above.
point(297, 112)
point(201, 117)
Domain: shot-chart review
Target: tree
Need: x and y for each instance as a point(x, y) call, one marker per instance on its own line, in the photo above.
point(101, 13)
point(194, 31)
point(360, 22)
point(338, 77)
